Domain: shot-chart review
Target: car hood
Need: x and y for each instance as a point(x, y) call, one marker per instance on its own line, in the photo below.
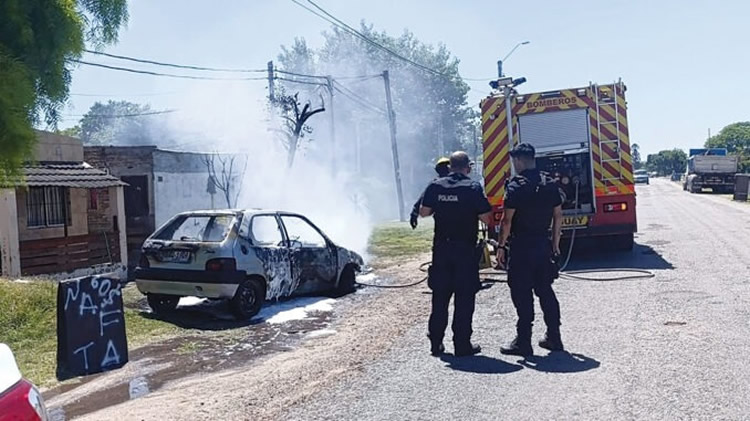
point(347, 256)
point(9, 374)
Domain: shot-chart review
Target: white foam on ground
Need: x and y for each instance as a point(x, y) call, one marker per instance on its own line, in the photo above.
point(297, 309)
point(191, 301)
point(321, 332)
point(368, 278)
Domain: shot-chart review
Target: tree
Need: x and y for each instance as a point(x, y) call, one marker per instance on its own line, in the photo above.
point(227, 178)
point(636, 154)
point(118, 123)
point(38, 40)
point(736, 139)
point(431, 108)
point(74, 131)
point(294, 116)
point(668, 161)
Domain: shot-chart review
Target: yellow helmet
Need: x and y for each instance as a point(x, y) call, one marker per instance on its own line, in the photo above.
point(442, 161)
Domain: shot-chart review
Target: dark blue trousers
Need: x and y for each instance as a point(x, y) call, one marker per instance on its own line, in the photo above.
point(454, 273)
point(528, 274)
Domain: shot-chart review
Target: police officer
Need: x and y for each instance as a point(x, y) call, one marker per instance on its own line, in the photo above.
point(442, 169)
point(456, 203)
point(532, 201)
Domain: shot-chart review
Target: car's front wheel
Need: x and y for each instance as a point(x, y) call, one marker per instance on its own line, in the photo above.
point(248, 299)
point(162, 303)
point(347, 282)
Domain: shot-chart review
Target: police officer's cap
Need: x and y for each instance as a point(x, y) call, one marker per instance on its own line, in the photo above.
point(523, 150)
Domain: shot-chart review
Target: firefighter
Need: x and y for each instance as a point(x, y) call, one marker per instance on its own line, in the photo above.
point(442, 170)
point(456, 201)
point(532, 201)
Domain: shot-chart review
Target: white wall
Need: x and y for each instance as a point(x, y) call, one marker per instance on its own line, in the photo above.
point(179, 192)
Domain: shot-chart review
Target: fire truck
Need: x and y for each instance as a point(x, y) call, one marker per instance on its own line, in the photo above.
point(581, 139)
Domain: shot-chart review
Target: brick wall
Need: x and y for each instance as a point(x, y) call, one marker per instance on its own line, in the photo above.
point(100, 210)
point(121, 160)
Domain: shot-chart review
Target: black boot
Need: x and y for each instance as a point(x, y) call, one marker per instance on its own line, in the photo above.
point(466, 350)
point(552, 340)
point(520, 346)
point(436, 347)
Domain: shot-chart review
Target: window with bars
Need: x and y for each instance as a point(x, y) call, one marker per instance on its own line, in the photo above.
point(45, 206)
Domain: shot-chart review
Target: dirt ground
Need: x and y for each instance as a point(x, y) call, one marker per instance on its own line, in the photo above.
point(264, 387)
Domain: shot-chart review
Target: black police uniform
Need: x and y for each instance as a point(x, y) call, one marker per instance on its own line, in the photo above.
point(533, 195)
point(456, 201)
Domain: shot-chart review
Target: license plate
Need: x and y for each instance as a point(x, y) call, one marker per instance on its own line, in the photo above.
point(575, 221)
point(176, 256)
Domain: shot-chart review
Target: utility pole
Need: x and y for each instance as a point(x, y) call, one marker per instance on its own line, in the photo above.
point(357, 148)
point(332, 124)
point(271, 92)
point(394, 145)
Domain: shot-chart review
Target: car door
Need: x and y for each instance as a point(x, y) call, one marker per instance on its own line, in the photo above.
point(314, 258)
point(271, 248)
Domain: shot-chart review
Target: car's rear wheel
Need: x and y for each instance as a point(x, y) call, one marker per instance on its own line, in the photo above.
point(162, 303)
point(248, 299)
point(347, 282)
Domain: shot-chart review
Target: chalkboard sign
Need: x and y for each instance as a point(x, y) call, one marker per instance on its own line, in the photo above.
point(90, 327)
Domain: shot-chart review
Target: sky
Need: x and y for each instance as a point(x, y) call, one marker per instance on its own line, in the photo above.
point(684, 62)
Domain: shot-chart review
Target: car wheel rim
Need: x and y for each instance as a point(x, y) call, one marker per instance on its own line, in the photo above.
point(248, 298)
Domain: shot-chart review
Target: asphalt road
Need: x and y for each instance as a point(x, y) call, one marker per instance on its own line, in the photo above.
point(673, 347)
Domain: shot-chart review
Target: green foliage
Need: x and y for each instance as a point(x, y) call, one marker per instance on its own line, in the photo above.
point(116, 123)
point(28, 325)
point(398, 241)
point(668, 161)
point(431, 109)
point(74, 131)
point(636, 154)
point(736, 139)
point(38, 38)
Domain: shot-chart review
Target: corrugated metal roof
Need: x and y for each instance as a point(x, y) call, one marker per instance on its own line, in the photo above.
point(82, 176)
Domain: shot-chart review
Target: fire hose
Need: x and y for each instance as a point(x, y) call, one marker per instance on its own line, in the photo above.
point(574, 275)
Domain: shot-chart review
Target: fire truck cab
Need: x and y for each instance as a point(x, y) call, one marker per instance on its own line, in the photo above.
point(581, 139)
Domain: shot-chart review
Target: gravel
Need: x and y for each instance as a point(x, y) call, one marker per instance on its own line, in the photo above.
point(672, 347)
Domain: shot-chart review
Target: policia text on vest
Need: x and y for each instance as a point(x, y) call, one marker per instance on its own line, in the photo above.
point(456, 202)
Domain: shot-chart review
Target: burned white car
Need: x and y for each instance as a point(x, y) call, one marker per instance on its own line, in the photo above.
point(246, 256)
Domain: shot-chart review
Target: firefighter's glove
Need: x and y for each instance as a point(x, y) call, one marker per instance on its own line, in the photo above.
point(413, 220)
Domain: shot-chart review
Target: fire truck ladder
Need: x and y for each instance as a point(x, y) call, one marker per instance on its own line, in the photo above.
point(608, 96)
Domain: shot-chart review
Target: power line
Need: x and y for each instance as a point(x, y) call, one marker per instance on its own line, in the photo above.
point(146, 72)
point(146, 113)
point(343, 25)
point(365, 38)
point(285, 72)
point(116, 95)
point(204, 68)
point(301, 82)
point(177, 66)
point(356, 97)
point(359, 101)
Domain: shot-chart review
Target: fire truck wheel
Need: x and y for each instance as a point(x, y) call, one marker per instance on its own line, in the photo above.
point(623, 242)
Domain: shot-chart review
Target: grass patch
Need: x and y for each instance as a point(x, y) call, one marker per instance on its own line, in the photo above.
point(28, 324)
point(187, 348)
point(398, 241)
